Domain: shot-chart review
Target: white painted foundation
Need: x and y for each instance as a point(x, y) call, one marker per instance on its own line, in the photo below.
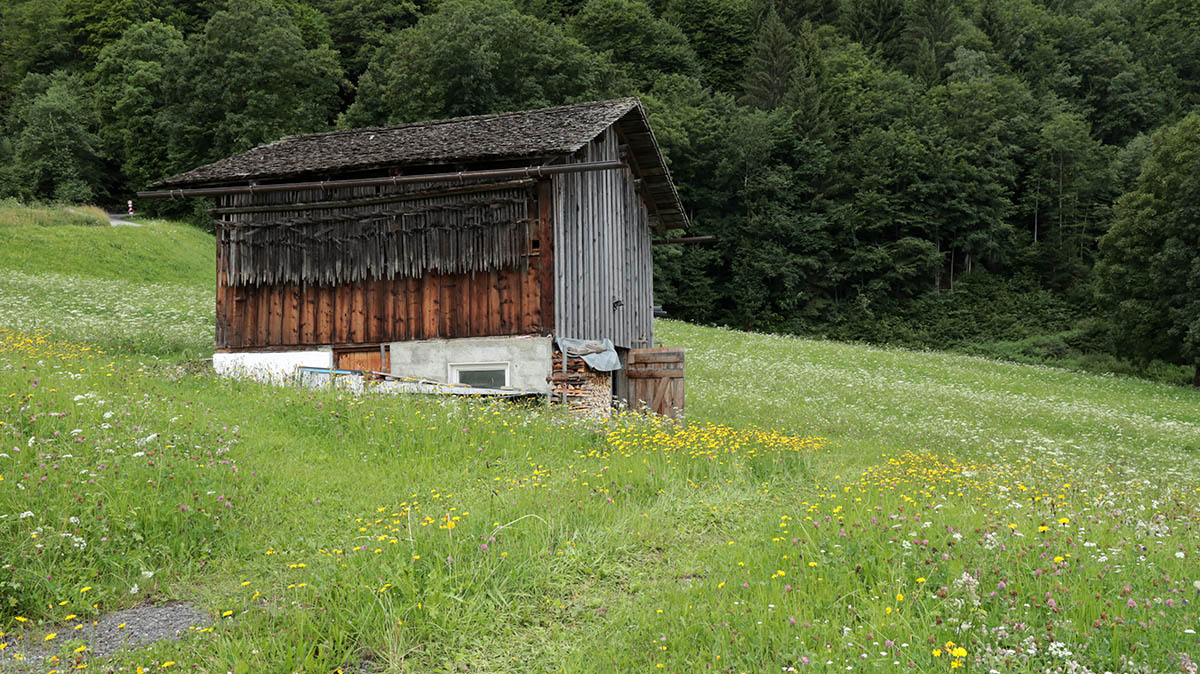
point(273, 367)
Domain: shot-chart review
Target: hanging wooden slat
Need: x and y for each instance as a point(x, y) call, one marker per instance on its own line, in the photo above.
point(364, 239)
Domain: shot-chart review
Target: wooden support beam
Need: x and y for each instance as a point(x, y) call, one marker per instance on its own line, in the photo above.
point(390, 198)
point(527, 172)
point(685, 239)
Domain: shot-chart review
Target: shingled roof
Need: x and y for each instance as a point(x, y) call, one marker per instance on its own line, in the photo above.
point(531, 134)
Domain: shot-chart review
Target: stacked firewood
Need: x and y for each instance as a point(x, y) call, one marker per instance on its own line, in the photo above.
point(581, 388)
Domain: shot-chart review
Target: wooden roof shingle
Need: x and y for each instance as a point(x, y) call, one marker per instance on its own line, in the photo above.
point(532, 134)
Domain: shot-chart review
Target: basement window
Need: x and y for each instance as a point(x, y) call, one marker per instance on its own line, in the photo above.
point(487, 375)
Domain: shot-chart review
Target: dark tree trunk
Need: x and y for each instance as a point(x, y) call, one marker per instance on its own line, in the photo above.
point(1196, 377)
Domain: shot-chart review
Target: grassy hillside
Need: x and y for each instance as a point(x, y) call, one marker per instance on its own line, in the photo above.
point(826, 506)
point(78, 242)
point(933, 400)
point(147, 289)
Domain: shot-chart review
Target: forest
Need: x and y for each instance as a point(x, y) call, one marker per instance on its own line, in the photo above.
point(1014, 178)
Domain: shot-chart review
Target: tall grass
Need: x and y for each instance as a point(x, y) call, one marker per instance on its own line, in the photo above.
point(167, 320)
point(825, 506)
point(432, 522)
point(16, 214)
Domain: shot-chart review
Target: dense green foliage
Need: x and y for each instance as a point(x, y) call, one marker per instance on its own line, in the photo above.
point(1150, 269)
point(859, 160)
point(474, 57)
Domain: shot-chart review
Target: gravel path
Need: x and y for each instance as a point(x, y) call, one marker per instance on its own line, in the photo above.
point(130, 628)
point(118, 220)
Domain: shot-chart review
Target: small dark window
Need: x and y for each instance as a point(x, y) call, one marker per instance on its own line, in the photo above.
point(491, 375)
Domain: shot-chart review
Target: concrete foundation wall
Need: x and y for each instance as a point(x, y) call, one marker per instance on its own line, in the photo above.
point(274, 367)
point(528, 358)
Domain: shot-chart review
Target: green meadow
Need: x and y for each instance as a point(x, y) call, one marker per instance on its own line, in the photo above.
point(824, 507)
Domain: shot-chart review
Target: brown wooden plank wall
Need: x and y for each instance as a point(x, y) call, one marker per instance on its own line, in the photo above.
point(500, 302)
point(602, 252)
point(506, 302)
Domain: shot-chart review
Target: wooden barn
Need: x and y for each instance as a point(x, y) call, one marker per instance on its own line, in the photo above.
point(472, 251)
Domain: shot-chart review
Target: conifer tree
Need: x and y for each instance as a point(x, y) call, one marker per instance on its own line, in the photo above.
point(806, 96)
point(772, 62)
point(875, 24)
point(930, 30)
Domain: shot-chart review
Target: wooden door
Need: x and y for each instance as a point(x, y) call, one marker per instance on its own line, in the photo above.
point(372, 360)
point(656, 380)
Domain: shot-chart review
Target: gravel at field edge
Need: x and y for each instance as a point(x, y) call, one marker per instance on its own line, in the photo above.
point(130, 628)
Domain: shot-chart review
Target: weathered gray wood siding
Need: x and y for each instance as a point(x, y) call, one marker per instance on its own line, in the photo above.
point(602, 253)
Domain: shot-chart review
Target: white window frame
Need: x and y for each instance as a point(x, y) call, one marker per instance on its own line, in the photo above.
point(452, 370)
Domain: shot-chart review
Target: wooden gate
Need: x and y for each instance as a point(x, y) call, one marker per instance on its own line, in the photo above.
point(656, 380)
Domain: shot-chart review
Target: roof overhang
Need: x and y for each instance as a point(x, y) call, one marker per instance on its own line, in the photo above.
point(423, 152)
